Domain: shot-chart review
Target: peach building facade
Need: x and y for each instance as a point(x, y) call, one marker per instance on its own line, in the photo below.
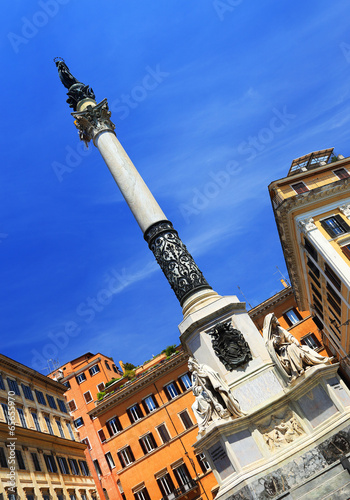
point(84, 378)
point(147, 428)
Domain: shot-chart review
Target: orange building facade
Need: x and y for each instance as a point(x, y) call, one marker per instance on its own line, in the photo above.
point(147, 428)
point(84, 378)
point(299, 323)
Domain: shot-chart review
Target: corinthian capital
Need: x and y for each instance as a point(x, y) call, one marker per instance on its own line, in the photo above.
point(93, 120)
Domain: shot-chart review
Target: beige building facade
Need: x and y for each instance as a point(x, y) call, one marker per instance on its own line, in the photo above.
point(40, 455)
point(312, 210)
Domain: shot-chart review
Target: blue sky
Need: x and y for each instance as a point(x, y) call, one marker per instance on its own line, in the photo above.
point(235, 91)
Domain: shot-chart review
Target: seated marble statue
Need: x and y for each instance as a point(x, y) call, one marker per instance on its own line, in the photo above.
point(293, 357)
point(213, 397)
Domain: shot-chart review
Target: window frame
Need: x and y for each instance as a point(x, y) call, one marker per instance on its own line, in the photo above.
point(75, 420)
point(95, 372)
point(185, 412)
point(346, 176)
point(303, 187)
point(166, 430)
point(148, 443)
point(91, 400)
point(69, 408)
point(110, 460)
point(77, 377)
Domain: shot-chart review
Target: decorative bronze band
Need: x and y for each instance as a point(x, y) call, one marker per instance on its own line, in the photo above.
point(175, 261)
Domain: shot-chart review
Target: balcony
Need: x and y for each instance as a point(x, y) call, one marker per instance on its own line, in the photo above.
point(183, 490)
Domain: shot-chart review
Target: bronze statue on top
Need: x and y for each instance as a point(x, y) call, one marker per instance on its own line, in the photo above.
point(77, 91)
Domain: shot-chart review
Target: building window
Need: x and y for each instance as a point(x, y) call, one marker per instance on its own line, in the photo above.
point(87, 397)
point(171, 390)
point(62, 406)
point(150, 404)
point(2, 385)
point(165, 484)
point(22, 418)
point(97, 467)
point(346, 250)
point(134, 413)
point(311, 341)
point(101, 387)
point(63, 465)
point(292, 316)
point(142, 495)
point(186, 419)
point(93, 370)
point(126, 456)
point(115, 369)
point(36, 462)
point(3, 461)
point(70, 430)
point(203, 462)
point(20, 460)
point(182, 475)
point(102, 435)
point(27, 392)
point(163, 433)
point(121, 491)
point(74, 466)
point(84, 468)
point(30, 496)
point(113, 425)
point(48, 425)
point(36, 422)
point(300, 187)
point(185, 382)
point(333, 303)
point(67, 384)
point(310, 249)
point(60, 429)
point(342, 173)
point(87, 443)
point(13, 386)
point(40, 397)
point(50, 463)
point(5, 410)
point(107, 365)
point(332, 276)
point(78, 422)
point(335, 225)
point(148, 443)
point(81, 378)
point(110, 460)
point(71, 405)
point(51, 401)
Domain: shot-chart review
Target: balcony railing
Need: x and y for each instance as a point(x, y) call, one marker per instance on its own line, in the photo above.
point(183, 490)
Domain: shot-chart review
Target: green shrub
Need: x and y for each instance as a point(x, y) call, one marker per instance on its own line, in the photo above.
point(100, 395)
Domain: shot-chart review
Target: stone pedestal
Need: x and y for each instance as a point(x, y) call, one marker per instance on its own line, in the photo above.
point(290, 441)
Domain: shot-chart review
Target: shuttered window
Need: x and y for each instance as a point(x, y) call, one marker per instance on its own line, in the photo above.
point(335, 225)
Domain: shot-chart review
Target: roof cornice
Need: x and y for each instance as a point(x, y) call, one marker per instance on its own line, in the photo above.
point(29, 372)
point(270, 302)
point(138, 383)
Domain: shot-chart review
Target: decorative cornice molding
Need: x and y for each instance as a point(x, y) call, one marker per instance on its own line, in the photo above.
point(271, 302)
point(137, 384)
point(307, 225)
point(31, 374)
point(345, 209)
